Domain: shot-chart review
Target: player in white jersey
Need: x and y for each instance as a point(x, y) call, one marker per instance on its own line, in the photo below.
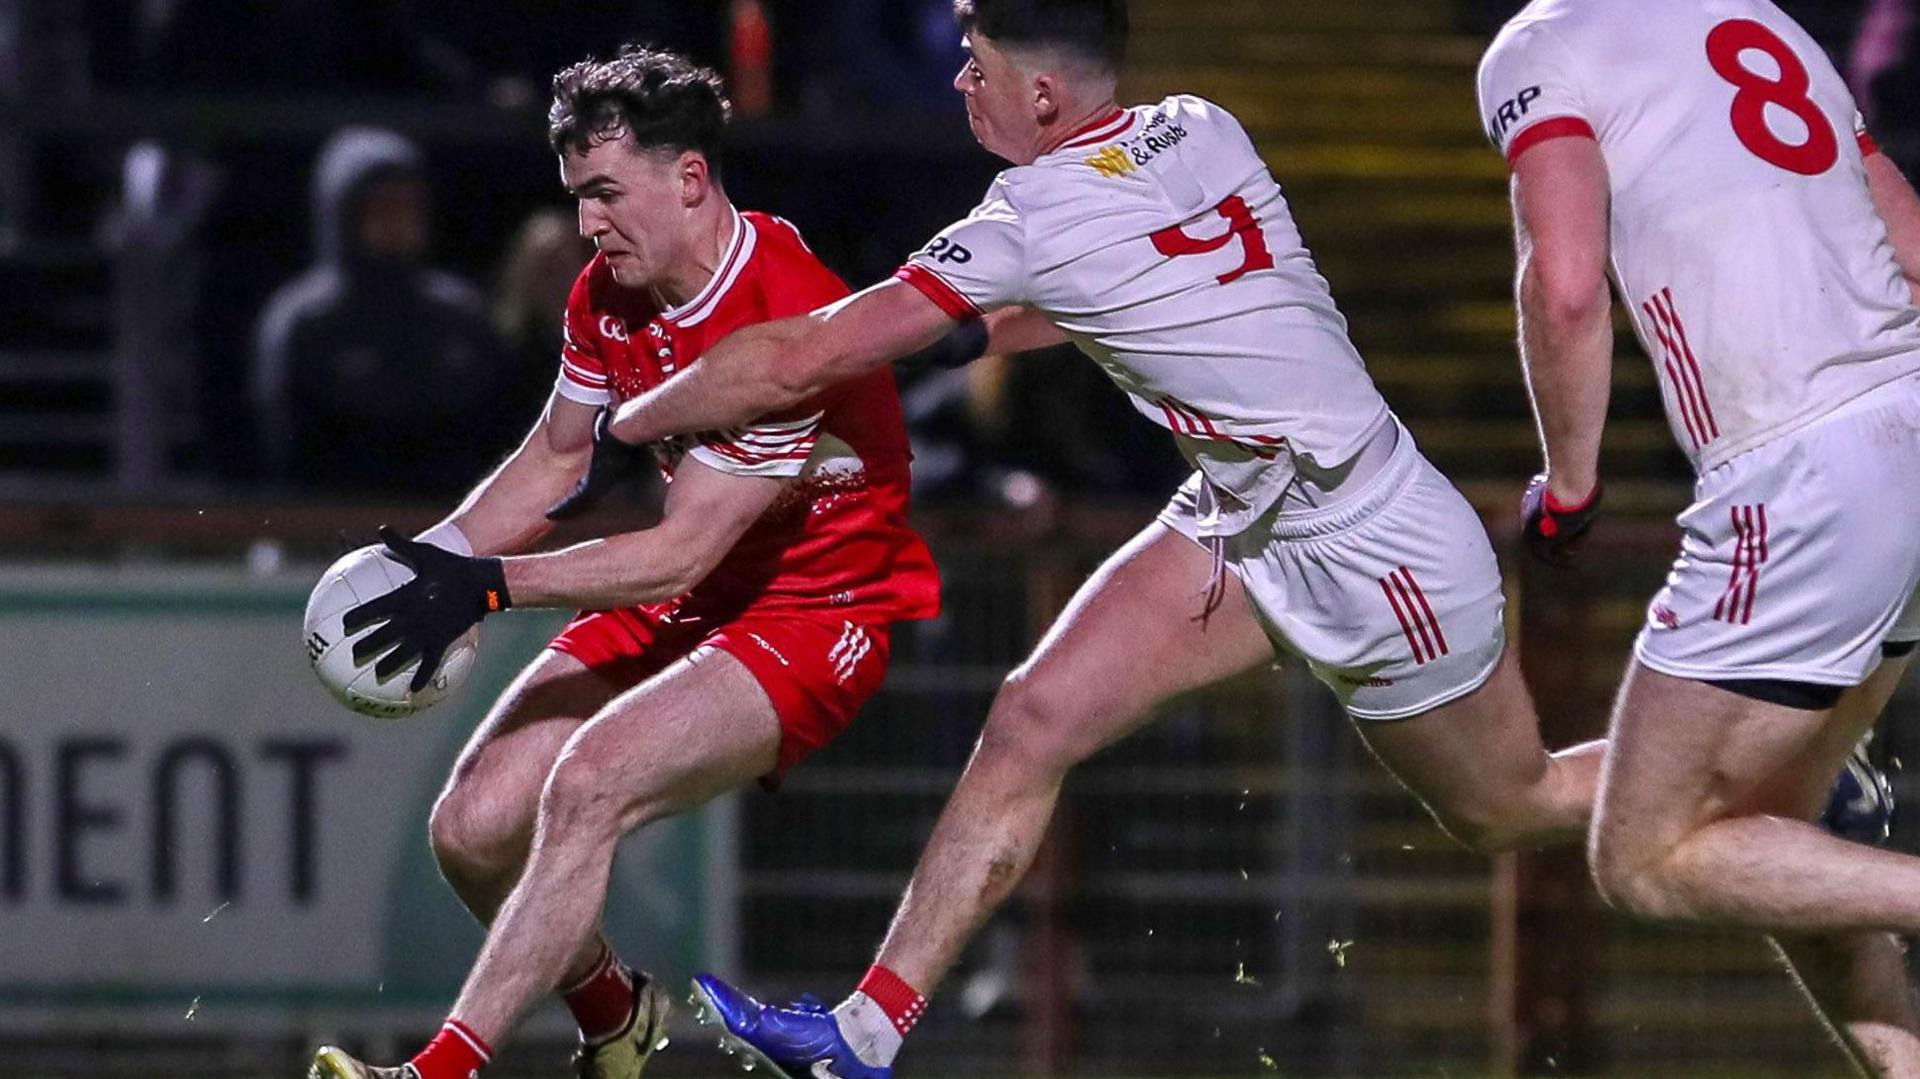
point(1769, 257)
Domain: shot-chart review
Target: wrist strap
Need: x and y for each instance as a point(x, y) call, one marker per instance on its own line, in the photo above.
point(495, 597)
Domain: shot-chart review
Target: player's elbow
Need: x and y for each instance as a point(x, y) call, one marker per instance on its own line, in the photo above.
point(1564, 292)
point(686, 575)
point(688, 563)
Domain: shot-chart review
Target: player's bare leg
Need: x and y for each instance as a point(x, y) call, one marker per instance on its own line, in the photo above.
point(1770, 763)
point(1858, 982)
point(482, 824)
point(1479, 766)
point(1130, 639)
point(702, 727)
point(1682, 830)
point(482, 827)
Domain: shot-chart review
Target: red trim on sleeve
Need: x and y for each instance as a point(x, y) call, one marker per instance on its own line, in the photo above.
point(1560, 127)
point(935, 288)
point(1868, 146)
point(580, 375)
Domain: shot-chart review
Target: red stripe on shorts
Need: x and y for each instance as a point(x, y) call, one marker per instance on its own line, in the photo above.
point(1425, 608)
point(1406, 626)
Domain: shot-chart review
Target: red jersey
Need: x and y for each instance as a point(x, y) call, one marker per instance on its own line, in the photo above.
point(838, 536)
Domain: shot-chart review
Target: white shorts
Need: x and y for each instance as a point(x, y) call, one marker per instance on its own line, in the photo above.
point(1392, 594)
point(1799, 557)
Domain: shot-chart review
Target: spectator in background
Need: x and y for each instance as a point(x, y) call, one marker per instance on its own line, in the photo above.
point(373, 373)
point(530, 301)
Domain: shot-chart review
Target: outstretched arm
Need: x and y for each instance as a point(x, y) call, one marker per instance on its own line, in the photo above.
point(1899, 207)
point(1561, 202)
point(706, 513)
point(776, 365)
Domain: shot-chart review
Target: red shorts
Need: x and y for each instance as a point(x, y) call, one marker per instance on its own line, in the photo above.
point(817, 668)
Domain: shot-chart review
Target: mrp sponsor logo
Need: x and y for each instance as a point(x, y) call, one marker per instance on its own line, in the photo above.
point(1510, 113)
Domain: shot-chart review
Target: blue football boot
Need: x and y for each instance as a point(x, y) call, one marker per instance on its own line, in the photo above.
point(800, 1041)
point(1861, 805)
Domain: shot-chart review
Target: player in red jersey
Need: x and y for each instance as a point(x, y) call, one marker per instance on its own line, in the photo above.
point(721, 646)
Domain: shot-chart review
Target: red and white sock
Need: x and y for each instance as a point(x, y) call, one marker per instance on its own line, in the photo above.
point(602, 1002)
point(454, 1053)
point(879, 1015)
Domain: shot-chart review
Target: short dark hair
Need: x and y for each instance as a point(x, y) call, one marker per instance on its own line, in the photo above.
point(1092, 29)
point(659, 99)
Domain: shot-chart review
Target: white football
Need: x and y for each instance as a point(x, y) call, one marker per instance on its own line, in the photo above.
point(356, 578)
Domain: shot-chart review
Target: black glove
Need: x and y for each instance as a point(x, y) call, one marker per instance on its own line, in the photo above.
point(1551, 530)
point(449, 594)
point(614, 463)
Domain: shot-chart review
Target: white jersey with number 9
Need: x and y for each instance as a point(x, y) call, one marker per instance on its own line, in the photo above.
point(1745, 243)
point(1157, 239)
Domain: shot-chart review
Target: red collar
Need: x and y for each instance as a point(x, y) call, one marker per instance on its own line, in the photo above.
point(1099, 131)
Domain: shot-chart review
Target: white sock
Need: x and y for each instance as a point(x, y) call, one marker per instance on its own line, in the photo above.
point(867, 1029)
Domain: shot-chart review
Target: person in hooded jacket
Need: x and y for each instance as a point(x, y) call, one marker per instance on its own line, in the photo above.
point(374, 373)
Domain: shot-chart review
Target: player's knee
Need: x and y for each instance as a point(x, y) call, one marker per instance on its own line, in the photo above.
point(1629, 880)
point(1502, 817)
point(1641, 892)
point(1488, 830)
point(472, 845)
point(1035, 723)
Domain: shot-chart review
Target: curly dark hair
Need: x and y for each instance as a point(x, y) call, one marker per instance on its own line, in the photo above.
point(1095, 30)
point(659, 99)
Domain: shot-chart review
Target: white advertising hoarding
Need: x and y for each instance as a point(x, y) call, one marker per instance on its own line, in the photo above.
point(189, 823)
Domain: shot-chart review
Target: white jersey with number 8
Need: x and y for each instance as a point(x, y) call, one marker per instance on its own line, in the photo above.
point(1157, 239)
point(1759, 276)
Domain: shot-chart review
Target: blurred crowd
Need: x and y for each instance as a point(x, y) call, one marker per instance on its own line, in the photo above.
point(376, 313)
point(378, 316)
